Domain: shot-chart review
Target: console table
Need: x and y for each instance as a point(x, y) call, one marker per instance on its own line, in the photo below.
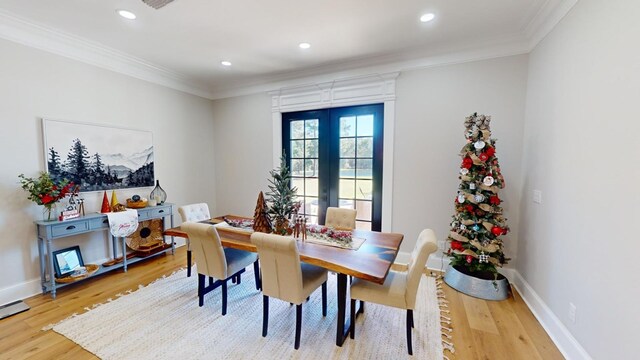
point(47, 231)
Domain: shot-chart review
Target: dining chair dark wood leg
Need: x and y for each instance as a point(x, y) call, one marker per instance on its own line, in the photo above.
point(409, 322)
point(224, 297)
point(188, 263)
point(352, 326)
point(412, 323)
point(361, 310)
point(201, 279)
point(324, 299)
point(298, 325)
point(265, 314)
point(256, 273)
point(233, 279)
point(239, 279)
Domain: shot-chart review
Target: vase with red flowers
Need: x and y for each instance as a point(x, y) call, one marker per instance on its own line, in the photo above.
point(46, 192)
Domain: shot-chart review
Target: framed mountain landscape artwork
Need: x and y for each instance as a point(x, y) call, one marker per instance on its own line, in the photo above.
point(98, 157)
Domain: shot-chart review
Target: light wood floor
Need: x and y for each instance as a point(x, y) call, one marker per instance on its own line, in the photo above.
point(482, 329)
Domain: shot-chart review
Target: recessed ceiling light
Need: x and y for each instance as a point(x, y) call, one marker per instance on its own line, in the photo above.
point(126, 14)
point(427, 17)
point(304, 45)
point(225, 63)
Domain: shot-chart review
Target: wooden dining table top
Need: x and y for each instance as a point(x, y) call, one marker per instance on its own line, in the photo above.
point(371, 261)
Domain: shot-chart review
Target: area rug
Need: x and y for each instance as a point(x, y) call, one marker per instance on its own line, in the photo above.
point(163, 321)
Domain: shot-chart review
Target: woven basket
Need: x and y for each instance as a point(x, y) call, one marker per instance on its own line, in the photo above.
point(91, 269)
point(136, 204)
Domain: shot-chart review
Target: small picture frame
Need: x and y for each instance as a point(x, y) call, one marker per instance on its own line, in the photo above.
point(66, 261)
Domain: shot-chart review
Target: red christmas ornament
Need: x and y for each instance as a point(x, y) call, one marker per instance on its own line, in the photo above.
point(494, 200)
point(490, 151)
point(483, 157)
point(456, 245)
point(469, 259)
point(469, 208)
point(496, 230)
point(467, 162)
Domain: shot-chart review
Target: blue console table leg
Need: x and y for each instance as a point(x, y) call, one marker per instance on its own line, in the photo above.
point(52, 277)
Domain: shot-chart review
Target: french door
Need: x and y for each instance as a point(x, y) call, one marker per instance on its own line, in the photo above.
point(335, 157)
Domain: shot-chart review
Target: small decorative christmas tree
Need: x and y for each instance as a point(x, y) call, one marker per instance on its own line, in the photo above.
point(476, 248)
point(280, 197)
point(261, 221)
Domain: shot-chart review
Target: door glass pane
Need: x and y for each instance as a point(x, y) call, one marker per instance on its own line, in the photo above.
point(297, 148)
point(311, 149)
point(311, 206)
point(297, 167)
point(297, 130)
point(347, 168)
point(347, 189)
point(347, 126)
point(365, 147)
point(364, 189)
point(345, 203)
point(311, 129)
point(299, 184)
point(311, 167)
point(363, 208)
point(365, 125)
point(311, 187)
point(364, 169)
point(348, 147)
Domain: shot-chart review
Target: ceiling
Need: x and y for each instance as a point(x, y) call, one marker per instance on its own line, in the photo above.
point(187, 39)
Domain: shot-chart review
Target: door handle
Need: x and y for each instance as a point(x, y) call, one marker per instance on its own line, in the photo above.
point(71, 227)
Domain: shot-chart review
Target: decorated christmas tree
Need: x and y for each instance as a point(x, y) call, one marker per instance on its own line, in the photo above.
point(280, 197)
point(476, 248)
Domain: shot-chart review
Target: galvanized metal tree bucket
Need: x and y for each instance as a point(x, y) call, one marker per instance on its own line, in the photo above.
point(480, 288)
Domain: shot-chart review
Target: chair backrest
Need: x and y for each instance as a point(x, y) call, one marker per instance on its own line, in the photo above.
point(425, 245)
point(207, 248)
point(341, 219)
point(194, 212)
point(280, 266)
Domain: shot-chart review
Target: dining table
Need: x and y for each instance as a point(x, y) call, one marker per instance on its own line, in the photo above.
point(371, 261)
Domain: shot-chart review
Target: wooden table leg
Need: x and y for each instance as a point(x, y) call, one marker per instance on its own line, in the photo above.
point(342, 304)
point(344, 322)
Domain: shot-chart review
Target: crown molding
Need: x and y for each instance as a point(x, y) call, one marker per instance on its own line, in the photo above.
point(382, 65)
point(546, 20)
point(28, 33)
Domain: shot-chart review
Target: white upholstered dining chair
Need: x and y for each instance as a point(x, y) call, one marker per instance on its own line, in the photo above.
point(217, 262)
point(284, 277)
point(340, 219)
point(400, 288)
point(193, 213)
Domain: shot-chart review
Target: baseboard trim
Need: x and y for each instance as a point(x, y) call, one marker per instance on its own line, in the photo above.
point(20, 291)
point(560, 335)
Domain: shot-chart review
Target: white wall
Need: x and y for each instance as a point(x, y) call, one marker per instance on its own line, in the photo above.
point(243, 147)
point(430, 110)
point(581, 150)
point(36, 84)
